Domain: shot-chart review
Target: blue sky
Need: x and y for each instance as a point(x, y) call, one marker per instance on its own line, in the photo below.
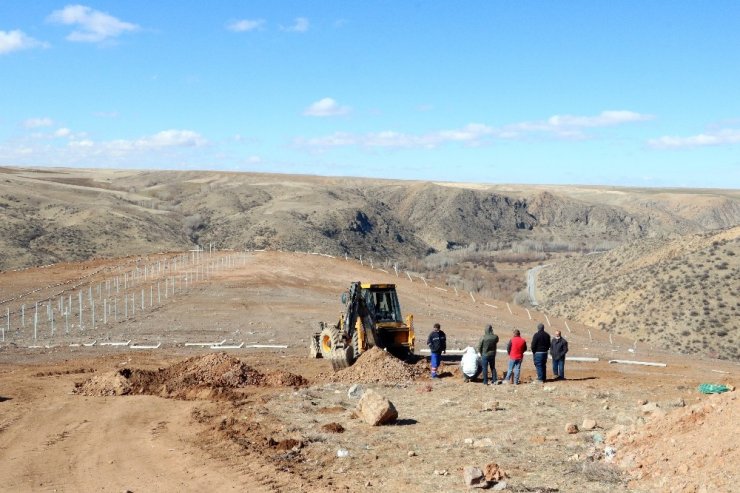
point(637, 93)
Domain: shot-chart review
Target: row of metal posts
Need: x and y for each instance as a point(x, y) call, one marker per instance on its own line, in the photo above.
point(130, 280)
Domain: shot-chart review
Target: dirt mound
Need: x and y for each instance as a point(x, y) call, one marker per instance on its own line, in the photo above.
point(200, 376)
point(112, 383)
point(690, 449)
point(377, 366)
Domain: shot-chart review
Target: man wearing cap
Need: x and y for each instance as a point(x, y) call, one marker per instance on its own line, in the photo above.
point(487, 350)
point(540, 347)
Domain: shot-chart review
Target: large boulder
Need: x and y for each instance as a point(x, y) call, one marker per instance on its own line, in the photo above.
point(375, 409)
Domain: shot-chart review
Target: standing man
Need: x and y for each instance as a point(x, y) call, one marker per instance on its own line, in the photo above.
point(437, 342)
point(558, 350)
point(540, 347)
point(487, 350)
point(516, 348)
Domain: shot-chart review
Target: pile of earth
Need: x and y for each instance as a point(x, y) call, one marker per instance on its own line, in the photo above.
point(197, 377)
point(378, 366)
point(689, 449)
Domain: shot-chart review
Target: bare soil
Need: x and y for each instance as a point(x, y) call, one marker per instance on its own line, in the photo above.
point(194, 419)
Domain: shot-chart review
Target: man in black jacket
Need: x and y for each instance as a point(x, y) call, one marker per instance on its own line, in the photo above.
point(558, 350)
point(540, 347)
point(437, 342)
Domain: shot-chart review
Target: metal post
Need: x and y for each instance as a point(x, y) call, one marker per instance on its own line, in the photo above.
point(23, 316)
point(35, 320)
point(92, 307)
point(80, 301)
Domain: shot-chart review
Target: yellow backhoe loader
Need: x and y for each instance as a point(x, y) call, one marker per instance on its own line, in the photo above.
point(372, 318)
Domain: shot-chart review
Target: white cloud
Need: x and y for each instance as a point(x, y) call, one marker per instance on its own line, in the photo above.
point(326, 107)
point(603, 119)
point(160, 140)
point(300, 25)
point(93, 26)
point(727, 136)
point(245, 25)
point(62, 132)
point(17, 40)
point(38, 122)
point(472, 134)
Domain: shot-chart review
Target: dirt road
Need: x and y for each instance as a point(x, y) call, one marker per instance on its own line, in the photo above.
point(270, 437)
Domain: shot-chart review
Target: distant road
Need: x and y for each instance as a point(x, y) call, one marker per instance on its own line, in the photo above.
point(532, 283)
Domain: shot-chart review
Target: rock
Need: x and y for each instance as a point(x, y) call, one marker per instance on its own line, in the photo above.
point(548, 388)
point(355, 391)
point(499, 486)
point(678, 403)
point(649, 407)
point(440, 472)
point(483, 442)
point(490, 406)
point(641, 402)
point(588, 424)
point(342, 452)
point(571, 428)
point(609, 453)
point(598, 438)
point(375, 409)
point(474, 477)
point(613, 433)
point(468, 441)
point(411, 453)
point(493, 472)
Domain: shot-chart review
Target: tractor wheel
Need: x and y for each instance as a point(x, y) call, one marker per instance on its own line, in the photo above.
point(342, 357)
point(314, 351)
point(329, 338)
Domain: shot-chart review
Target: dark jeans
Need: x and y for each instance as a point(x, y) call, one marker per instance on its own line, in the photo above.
point(558, 367)
point(485, 363)
point(540, 364)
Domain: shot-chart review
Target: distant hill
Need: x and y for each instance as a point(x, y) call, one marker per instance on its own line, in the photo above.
point(52, 215)
point(681, 293)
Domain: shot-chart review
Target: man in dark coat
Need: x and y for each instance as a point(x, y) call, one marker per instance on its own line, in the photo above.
point(558, 350)
point(437, 342)
point(540, 347)
point(487, 349)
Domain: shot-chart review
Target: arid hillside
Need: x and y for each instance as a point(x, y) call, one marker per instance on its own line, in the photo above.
point(52, 215)
point(681, 294)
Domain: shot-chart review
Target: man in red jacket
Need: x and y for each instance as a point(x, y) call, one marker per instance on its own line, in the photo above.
point(516, 347)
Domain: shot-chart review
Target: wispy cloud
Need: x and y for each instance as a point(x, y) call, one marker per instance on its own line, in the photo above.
point(93, 26)
point(473, 134)
point(18, 40)
point(66, 147)
point(725, 136)
point(326, 107)
point(160, 140)
point(300, 25)
point(38, 122)
point(573, 126)
point(245, 25)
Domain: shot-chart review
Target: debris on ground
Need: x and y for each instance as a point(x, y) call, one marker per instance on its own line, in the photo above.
point(200, 376)
point(378, 366)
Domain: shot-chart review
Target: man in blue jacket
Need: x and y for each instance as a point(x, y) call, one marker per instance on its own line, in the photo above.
point(437, 342)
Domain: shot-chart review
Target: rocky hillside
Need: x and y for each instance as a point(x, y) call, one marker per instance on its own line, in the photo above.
point(51, 215)
point(681, 293)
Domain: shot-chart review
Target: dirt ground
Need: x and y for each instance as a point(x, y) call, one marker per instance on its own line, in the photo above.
point(184, 418)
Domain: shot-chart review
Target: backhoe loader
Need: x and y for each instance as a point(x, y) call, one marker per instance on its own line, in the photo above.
point(372, 318)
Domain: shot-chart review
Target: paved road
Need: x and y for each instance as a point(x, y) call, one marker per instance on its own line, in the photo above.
point(532, 283)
